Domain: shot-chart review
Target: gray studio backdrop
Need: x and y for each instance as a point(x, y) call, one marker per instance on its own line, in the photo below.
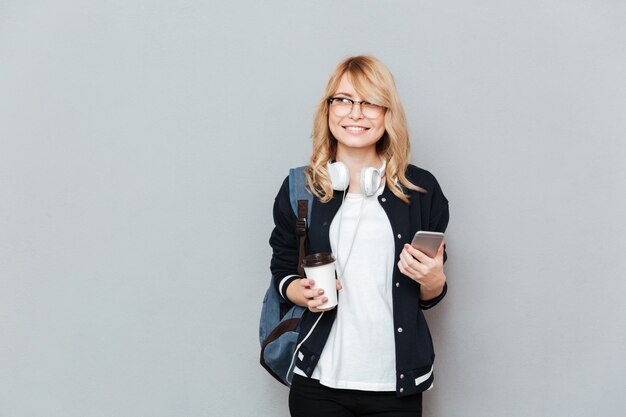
point(143, 142)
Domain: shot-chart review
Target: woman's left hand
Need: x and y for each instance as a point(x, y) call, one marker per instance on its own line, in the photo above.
point(427, 271)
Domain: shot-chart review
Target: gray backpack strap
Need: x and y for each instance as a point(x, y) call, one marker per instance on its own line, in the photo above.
point(301, 203)
point(298, 191)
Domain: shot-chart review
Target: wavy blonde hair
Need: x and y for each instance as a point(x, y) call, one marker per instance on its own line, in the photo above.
point(374, 83)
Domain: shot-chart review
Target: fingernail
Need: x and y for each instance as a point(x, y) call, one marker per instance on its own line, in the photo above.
point(320, 292)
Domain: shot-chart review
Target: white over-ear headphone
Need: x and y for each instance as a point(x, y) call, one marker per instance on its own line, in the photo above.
point(370, 177)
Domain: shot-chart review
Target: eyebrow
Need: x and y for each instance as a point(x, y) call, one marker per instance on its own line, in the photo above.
point(339, 93)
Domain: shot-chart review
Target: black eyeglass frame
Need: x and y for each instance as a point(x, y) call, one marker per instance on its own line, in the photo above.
point(360, 103)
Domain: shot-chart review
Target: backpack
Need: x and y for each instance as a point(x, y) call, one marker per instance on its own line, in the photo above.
point(279, 326)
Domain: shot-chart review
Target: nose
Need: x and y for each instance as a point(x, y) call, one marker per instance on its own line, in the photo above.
point(356, 112)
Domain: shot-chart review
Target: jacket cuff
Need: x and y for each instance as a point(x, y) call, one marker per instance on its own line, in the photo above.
point(284, 283)
point(425, 305)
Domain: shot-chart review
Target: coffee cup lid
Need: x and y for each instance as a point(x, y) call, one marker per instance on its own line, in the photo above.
point(317, 259)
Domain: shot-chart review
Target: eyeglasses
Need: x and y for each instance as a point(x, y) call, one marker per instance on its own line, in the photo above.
point(342, 106)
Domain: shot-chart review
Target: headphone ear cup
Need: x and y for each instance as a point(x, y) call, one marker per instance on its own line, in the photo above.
point(339, 176)
point(370, 181)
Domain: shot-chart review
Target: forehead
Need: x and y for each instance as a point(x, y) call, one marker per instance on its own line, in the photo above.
point(346, 87)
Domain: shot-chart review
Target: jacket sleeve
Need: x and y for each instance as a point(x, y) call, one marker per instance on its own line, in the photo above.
point(438, 222)
point(284, 241)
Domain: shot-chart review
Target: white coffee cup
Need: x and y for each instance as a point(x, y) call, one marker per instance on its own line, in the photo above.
point(320, 267)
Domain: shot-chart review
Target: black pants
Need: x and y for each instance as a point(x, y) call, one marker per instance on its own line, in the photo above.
point(309, 398)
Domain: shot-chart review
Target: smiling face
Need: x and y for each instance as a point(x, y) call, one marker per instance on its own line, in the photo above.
point(354, 131)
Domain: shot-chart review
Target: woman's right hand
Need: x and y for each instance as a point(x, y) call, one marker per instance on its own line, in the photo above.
point(302, 292)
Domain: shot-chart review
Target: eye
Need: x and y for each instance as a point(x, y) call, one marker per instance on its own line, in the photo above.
point(368, 105)
point(341, 100)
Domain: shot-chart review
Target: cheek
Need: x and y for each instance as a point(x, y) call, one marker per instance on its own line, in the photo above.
point(333, 120)
point(381, 122)
point(379, 128)
point(333, 125)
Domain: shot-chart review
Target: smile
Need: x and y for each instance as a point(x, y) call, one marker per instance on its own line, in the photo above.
point(356, 129)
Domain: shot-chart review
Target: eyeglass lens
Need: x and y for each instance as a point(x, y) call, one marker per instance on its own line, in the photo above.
point(343, 107)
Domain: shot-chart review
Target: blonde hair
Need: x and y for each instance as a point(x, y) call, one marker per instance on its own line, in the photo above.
point(374, 83)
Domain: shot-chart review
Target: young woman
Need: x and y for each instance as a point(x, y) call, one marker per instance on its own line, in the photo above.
point(372, 354)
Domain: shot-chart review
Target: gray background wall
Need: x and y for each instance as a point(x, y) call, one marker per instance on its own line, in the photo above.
point(137, 135)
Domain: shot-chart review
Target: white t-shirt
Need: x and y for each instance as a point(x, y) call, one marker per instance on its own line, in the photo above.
point(360, 351)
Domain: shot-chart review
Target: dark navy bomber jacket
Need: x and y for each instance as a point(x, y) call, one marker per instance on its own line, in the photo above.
point(413, 344)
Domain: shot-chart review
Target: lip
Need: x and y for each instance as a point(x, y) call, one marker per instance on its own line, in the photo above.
point(356, 129)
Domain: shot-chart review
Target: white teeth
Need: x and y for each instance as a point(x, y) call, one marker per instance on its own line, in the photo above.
point(355, 128)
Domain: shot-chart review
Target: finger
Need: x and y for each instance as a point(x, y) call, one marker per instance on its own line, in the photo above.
point(317, 310)
point(339, 286)
point(409, 272)
point(312, 293)
point(405, 263)
point(416, 253)
point(407, 258)
point(401, 268)
point(409, 262)
point(305, 282)
point(316, 302)
point(412, 267)
point(404, 267)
